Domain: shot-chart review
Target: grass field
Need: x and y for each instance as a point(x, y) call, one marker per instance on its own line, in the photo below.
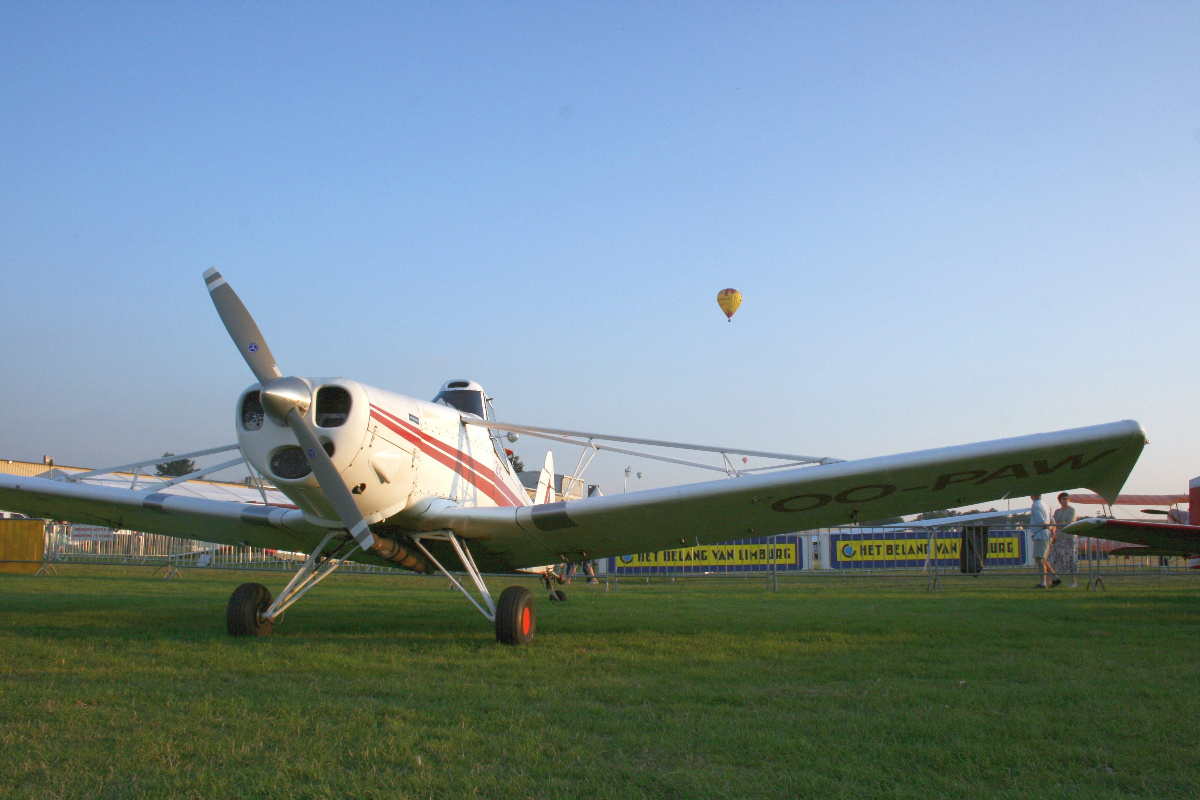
point(116, 684)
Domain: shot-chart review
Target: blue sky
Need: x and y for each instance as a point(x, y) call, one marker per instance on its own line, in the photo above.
point(950, 222)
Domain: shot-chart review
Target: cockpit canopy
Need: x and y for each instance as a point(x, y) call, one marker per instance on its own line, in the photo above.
point(466, 396)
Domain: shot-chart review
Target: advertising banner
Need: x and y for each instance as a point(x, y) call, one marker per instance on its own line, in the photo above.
point(760, 554)
point(91, 533)
point(911, 549)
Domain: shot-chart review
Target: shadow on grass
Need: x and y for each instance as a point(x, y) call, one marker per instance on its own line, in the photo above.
point(131, 603)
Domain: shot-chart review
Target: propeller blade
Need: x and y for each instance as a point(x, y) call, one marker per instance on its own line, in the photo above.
point(242, 329)
point(290, 394)
point(330, 481)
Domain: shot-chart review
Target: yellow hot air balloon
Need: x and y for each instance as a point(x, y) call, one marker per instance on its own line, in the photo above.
point(729, 300)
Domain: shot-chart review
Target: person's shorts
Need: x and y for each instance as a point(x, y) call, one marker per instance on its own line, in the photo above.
point(1041, 547)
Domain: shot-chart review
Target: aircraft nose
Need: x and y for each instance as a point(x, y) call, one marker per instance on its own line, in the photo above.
point(282, 395)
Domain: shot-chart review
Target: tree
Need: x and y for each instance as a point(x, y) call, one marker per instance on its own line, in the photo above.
point(176, 468)
point(517, 464)
point(876, 523)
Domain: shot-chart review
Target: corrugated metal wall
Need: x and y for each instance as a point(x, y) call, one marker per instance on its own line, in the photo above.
point(21, 542)
point(26, 469)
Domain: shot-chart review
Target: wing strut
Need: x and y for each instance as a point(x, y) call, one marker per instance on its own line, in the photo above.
point(727, 467)
point(560, 434)
point(78, 476)
point(581, 466)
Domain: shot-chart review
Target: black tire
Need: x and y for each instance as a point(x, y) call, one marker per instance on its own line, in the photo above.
point(516, 617)
point(246, 603)
point(561, 596)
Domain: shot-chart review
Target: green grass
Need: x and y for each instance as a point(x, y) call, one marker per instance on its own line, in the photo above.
point(114, 683)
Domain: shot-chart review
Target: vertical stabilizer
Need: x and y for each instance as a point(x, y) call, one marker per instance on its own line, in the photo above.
point(545, 487)
point(1194, 501)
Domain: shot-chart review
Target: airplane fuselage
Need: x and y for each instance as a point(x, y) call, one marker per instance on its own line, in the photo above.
point(396, 453)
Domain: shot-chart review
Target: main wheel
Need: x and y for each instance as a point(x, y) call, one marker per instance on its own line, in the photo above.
point(244, 614)
point(516, 618)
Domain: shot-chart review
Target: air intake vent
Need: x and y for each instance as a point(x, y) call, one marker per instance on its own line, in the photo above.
point(252, 412)
point(289, 463)
point(333, 406)
point(458, 384)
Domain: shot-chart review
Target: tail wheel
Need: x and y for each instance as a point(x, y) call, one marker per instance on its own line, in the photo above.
point(516, 617)
point(246, 605)
point(560, 595)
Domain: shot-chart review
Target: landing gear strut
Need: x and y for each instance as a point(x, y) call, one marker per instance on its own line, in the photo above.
point(251, 611)
point(514, 616)
point(556, 595)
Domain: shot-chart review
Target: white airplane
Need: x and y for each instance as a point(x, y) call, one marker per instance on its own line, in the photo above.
point(385, 479)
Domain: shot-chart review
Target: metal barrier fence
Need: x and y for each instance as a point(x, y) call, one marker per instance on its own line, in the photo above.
point(877, 550)
point(899, 552)
point(853, 549)
point(830, 551)
point(63, 545)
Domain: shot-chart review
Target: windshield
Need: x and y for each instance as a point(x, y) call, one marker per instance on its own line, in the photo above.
point(468, 400)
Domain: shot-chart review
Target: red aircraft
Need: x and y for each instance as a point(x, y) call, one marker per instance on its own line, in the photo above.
point(1180, 536)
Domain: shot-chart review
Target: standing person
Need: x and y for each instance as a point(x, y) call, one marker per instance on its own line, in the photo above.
point(573, 568)
point(1039, 523)
point(1063, 555)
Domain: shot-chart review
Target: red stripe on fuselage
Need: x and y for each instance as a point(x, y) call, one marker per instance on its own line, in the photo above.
point(475, 473)
point(456, 465)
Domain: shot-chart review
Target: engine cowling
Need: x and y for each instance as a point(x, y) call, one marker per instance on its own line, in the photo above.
point(380, 472)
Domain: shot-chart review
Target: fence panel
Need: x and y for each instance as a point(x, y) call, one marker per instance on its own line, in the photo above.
point(847, 551)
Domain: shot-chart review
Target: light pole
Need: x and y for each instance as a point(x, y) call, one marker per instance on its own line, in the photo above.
point(625, 485)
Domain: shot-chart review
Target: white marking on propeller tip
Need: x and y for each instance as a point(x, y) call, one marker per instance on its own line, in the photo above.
point(218, 283)
point(358, 529)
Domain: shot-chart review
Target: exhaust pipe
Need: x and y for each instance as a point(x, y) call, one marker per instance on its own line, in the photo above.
point(391, 550)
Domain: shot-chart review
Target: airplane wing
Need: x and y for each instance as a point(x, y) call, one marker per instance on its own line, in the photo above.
point(219, 521)
point(1166, 538)
point(980, 518)
point(1098, 458)
point(1136, 550)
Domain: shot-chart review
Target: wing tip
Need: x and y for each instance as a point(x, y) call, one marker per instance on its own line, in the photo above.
point(1138, 428)
point(213, 279)
point(1110, 486)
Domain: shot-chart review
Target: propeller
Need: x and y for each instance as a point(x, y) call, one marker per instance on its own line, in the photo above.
point(287, 400)
point(242, 329)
